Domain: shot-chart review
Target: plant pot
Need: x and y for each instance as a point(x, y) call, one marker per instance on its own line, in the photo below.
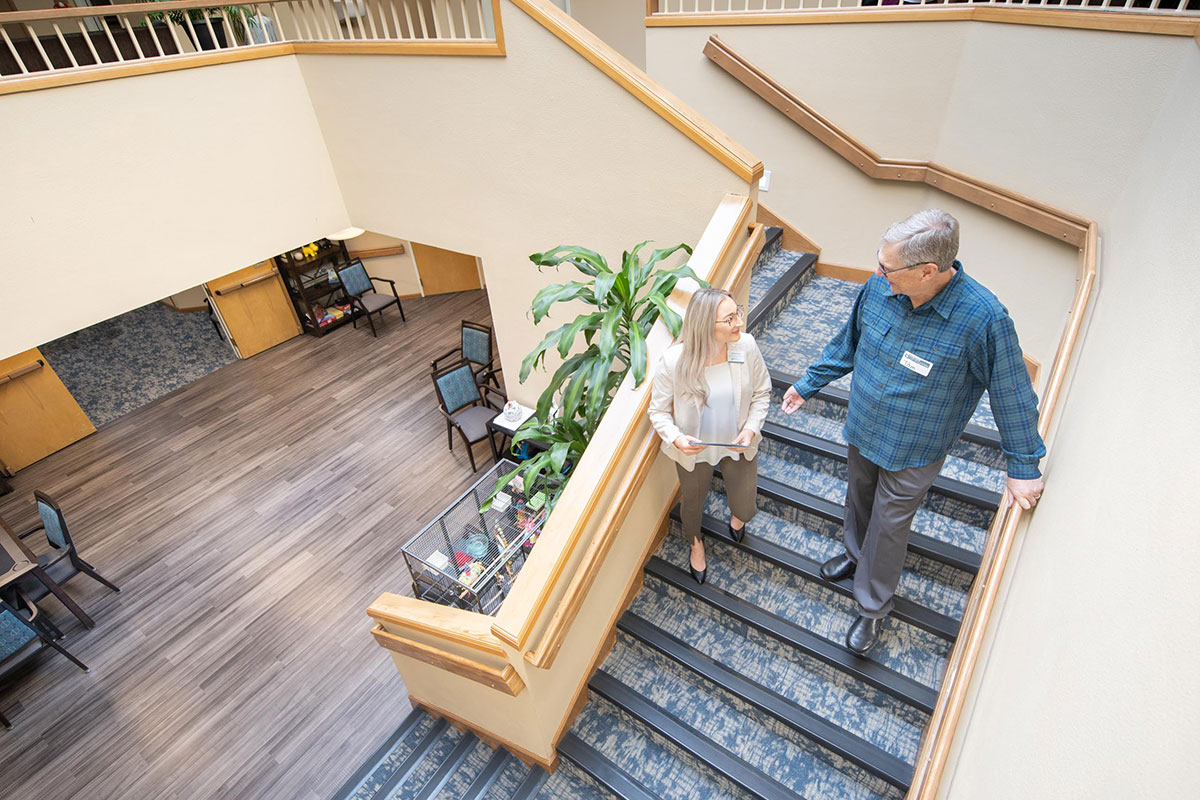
point(203, 40)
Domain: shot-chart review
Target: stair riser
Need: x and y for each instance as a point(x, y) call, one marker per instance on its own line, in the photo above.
point(776, 308)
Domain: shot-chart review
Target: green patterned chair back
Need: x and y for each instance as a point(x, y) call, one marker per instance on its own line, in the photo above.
point(456, 387)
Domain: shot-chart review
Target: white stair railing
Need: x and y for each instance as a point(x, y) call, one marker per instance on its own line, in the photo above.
point(690, 7)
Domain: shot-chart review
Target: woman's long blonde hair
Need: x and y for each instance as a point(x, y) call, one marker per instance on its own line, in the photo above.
point(699, 339)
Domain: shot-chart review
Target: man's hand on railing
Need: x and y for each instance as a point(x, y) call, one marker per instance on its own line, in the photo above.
point(1025, 492)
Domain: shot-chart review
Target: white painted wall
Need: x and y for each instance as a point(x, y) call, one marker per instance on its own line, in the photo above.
point(121, 192)
point(618, 22)
point(1087, 688)
point(506, 157)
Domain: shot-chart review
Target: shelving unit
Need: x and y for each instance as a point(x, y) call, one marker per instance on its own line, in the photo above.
point(308, 285)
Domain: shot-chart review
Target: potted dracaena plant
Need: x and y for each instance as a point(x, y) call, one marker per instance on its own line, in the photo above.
point(625, 304)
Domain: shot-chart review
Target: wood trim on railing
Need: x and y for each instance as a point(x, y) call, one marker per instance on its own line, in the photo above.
point(1032, 213)
point(378, 252)
point(1163, 24)
point(25, 370)
point(517, 636)
point(491, 740)
point(793, 239)
point(682, 116)
point(463, 627)
point(504, 679)
point(137, 9)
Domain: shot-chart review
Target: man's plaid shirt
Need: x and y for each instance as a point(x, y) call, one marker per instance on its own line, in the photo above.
point(899, 418)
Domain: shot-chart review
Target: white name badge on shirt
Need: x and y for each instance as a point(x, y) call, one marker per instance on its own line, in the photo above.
point(736, 356)
point(916, 364)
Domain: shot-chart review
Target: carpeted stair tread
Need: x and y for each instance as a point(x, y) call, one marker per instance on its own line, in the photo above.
point(456, 785)
point(452, 764)
point(569, 781)
point(601, 769)
point(938, 517)
point(929, 583)
point(651, 760)
point(871, 714)
point(481, 784)
point(915, 654)
point(768, 271)
point(410, 787)
point(509, 781)
point(756, 738)
point(420, 736)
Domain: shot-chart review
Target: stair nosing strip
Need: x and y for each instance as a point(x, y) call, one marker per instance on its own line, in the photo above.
point(488, 775)
point(808, 724)
point(602, 769)
point(708, 752)
point(532, 784)
point(413, 759)
point(780, 287)
point(905, 609)
point(918, 543)
point(872, 673)
point(455, 760)
point(974, 433)
point(952, 488)
point(372, 763)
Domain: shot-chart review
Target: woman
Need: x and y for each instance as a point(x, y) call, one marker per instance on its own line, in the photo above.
point(712, 386)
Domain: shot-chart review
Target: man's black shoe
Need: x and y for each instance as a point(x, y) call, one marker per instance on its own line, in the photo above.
point(863, 634)
point(838, 567)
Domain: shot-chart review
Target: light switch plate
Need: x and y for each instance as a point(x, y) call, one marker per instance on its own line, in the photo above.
point(764, 183)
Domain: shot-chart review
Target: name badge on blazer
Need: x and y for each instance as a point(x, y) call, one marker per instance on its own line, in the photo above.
point(736, 356)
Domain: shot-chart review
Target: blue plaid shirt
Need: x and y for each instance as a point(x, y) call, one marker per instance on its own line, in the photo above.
point(964, 339)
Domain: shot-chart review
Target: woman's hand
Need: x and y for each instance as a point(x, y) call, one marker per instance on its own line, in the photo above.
point(684, 445)
point(745, 438)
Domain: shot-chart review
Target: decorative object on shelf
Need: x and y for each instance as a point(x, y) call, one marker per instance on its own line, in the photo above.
point(512, 411)
point(627, 303)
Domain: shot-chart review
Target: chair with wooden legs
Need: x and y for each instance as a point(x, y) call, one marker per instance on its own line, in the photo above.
point(476, 347)
point(361, 288)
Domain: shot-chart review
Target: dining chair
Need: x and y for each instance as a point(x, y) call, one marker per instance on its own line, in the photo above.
point(62, 562)
point(19, 632)
point(475, 347)
point(361, 288)
point(465, 404)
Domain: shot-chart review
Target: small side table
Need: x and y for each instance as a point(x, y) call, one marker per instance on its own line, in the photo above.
point(506, 428)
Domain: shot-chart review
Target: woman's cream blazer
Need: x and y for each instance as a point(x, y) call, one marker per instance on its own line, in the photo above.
point(672, 416)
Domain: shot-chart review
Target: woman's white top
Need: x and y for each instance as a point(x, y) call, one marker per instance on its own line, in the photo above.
point(718, 419)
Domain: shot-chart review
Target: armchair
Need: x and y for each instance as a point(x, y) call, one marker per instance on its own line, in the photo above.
point(18, 634)
point(361, 289)
point(63, 561)
point(476, 348)
point(465, 404)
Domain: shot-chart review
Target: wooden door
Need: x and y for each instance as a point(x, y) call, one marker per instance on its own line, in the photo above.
point(445, 271)
point(255, 307)
point(37, 414)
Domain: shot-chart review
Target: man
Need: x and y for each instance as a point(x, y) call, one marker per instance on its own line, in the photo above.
point(924, 341)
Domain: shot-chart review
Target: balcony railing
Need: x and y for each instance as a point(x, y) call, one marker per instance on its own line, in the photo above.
point(40, 42)
point(729, 7)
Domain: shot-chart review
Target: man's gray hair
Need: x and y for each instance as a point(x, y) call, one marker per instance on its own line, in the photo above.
point(929, 236)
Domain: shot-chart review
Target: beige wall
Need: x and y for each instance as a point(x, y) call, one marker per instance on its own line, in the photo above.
point(598, 168)
point(1089, 690)
point(618, 22)
point(401, 269)
point(1087, 687)
point(830, 200)
point(229, 169)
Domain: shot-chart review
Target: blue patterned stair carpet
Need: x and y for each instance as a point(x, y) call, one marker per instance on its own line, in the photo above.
point(743, 687)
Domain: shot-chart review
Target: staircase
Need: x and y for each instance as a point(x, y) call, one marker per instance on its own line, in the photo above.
point(743, 687)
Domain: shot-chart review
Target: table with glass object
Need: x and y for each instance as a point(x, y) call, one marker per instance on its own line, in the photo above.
point(467, 557)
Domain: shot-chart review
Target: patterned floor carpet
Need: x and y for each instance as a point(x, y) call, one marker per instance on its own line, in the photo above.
point(125, 362)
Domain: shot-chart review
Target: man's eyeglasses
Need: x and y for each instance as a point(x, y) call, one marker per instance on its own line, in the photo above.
point(884, 270)
point(736, 316)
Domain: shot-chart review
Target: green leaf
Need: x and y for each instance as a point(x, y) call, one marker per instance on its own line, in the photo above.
point(574, 391)
point(501, 482)
point(558, 455)
point(565, 370)
point(567, 339)
point(539, 353)
point(670, 318)
point(637, 355)
point(557, 293)
point(604, 284)
point(608, 331)
point(599, 398)
point(659, 255)
point(586, 261)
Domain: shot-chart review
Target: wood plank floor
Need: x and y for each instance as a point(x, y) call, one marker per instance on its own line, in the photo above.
point(250, 519)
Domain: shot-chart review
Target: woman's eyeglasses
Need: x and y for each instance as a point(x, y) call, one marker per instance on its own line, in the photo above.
point(736, 316)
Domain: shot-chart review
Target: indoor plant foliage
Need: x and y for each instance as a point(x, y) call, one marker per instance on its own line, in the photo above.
point(625, 305)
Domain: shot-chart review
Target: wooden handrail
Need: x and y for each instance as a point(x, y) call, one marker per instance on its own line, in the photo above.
point(634, 80)
point(138, 9)
point(237, 287)
point(503, 679)
point(524, 607)
point(458, 625)
point(1105, 20)
point(25, 370)
point(1027, 211)
point(622, 501)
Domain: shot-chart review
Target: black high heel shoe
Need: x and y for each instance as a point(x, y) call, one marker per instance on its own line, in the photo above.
point(699, 574)
point(737, 534)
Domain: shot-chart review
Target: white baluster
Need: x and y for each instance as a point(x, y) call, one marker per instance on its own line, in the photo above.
point(16, 55)
point(450, 21)
point(87, 38)
point(412, 32)
point(398, 33)
point(437, 25)
point(370, 18)
point(38, 44)
point(63, 42)
point(211, 32)
point(187, 18)
point(467, 32)
point(424, 24)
